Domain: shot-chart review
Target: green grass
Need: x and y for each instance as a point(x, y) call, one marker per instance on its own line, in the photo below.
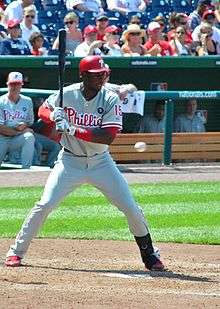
point(177, 212)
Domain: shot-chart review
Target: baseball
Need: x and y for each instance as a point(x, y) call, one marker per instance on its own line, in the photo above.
point(140, 146)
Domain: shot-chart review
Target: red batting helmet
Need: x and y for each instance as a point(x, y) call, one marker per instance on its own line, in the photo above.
point(93, 64)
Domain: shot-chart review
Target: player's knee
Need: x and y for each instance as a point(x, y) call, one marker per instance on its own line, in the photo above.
point(29, 137)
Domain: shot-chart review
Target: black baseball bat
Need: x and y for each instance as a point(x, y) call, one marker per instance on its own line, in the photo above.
point(61, 62)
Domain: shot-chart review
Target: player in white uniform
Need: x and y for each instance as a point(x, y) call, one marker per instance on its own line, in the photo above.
point(90, 119)
point(16, 117)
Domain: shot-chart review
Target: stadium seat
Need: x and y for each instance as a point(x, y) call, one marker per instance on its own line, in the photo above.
point(182, 6)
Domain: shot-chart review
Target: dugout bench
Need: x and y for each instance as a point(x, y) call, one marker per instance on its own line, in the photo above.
point(185, 146)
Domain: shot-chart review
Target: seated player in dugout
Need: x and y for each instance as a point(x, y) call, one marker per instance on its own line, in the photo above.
point(155, 122)
point(89, 121)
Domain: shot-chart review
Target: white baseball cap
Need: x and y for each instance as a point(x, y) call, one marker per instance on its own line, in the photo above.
point(15, 77)
point(153, 26)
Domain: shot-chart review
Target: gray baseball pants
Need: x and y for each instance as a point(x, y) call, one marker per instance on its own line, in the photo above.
point(24, 141)
point(69, 173)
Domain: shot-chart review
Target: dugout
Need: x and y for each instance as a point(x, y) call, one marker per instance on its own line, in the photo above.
point(180, 73)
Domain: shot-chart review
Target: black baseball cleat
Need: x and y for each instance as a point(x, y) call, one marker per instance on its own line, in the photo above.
point(152, 262)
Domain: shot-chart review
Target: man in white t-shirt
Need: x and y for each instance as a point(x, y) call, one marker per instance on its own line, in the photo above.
point(15, 10)
point(125, 6)
point(90, 44)
point(85, 5)
point(27, 26)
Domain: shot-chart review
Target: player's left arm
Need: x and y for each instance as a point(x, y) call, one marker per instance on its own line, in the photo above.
point(97, 135)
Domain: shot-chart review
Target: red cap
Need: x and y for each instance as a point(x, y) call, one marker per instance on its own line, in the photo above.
point(90, 29)
point(208, 12)
point(112, 29)
point(13, 23)
point(93, 64)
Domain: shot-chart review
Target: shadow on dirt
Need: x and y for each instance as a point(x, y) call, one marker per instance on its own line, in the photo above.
point(136, 273)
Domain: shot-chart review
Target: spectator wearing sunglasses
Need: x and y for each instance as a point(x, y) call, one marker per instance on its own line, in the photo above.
point(195, 17)
point(15, 10)
point(178, 42)
point(206, 45)
point(13, 44)
point(132, 38)
point(101, 24)
point(111, 47)
point(155, 44)
point(27, 24)
point(208, 18)
point(176, 20)
point(73, 33)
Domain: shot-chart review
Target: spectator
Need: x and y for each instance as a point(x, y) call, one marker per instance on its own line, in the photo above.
point(191, 120)
point(176, 20)
point(37, 40)
point(73, 33)
point(27, 26)
point(154, 123)
point(15, 10)
point(16, 117)
point(195, 17)
point(206, 45)
point(13, 44)
point(85, 5)
point(101, 24)
point(178, 42)
point(111, 47)
point(3, 31)
point(155, 45)
point(162, 22)
point(132, 38)
point(90, 45)
point(208, 18)
point(124, 6)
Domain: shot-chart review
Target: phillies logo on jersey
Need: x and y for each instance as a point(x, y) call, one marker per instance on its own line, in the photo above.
point(83, 119)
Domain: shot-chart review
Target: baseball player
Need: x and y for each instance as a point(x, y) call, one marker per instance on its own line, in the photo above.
point(16, 117)
point(89, 121)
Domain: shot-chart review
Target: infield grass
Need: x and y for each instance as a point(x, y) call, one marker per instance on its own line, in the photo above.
point(187, 212)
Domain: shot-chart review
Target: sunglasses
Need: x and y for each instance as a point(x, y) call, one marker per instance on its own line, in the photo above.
point(15, 27)
point(183, 22)
point(69, 22)
point(115, 33)
point(180, 32)
point(135, 33)
point(31, 16)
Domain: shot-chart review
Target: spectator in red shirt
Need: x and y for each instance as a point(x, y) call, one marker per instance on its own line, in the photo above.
point(101, 25)
point(37, 40)
point(155, 45)
point(176, 20)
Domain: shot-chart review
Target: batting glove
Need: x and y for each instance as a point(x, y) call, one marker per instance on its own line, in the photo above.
point(62, 125)
point(58, 113)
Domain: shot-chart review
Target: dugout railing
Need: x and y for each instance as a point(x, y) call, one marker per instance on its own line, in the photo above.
point(163, 140)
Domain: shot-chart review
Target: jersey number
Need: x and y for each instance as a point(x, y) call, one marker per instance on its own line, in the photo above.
point(118, 110)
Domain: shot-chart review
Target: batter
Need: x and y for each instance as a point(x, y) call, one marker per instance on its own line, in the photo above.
point(89, 121)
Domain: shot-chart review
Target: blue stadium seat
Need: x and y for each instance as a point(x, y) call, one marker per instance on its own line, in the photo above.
point(163, 4)
point(121, 19)
point(182, 6)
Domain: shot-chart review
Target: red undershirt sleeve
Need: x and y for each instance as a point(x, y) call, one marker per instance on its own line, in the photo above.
point(88, 134)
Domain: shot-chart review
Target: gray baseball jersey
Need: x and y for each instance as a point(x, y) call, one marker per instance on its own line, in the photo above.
point(103, 111)
point(12, 114)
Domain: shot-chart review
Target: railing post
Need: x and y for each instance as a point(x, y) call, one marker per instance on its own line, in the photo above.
point(167, 150)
